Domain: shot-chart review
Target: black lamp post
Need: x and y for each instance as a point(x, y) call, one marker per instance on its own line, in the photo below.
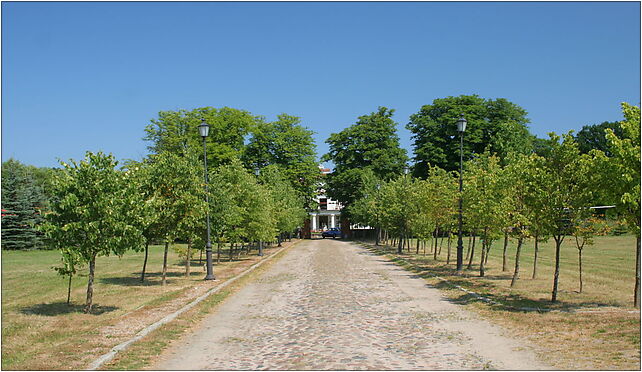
point(257, 172)
point(203, 130)
point(461, 128)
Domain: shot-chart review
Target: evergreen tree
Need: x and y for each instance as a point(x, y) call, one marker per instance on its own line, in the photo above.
point(22, 202)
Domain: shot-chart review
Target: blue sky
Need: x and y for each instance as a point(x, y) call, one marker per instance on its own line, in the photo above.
point(90, 76)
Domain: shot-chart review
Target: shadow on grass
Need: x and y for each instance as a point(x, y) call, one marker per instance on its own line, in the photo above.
point(134, 281)
point(61, 307)
point(427, 268)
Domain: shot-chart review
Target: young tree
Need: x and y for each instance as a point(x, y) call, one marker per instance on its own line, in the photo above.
point(401, 207)
point(485, 204)
point(584, 231)
point(94, 213)
point(622, 179)
point(564, 179)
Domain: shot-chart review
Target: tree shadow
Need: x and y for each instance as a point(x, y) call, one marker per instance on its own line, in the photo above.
point(61, 307)
point(151, 279)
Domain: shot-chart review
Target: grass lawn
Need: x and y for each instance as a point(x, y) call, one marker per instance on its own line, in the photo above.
point(40, 331)
point(570, 339)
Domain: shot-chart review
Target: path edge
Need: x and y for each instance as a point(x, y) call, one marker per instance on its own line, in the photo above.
point(150, 328)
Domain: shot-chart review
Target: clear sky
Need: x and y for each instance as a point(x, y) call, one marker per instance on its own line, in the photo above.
point(90, 76)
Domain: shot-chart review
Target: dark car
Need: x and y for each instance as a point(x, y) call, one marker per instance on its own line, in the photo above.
point(332, 233)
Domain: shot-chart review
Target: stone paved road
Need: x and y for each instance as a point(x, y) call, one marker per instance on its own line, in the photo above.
point(332, 305)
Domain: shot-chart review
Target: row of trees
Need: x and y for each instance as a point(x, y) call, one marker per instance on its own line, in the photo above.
point(508, 191)
point(99, 208)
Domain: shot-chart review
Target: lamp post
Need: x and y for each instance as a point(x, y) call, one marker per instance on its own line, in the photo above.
point(257, 172)
point(461, 128)
point(203, 130)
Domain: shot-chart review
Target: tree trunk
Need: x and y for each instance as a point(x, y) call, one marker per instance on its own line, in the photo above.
point(490, 244)
point(377, 231)
point(556, 276)
point(231, 251)
point(504, 265)
point(69, 290)
point(472, 254)
point(278, 238)
point(520, 240)
point(449, 241)
point(482, 271)
point(218, 251)
point(441, 244)
point(579, 251)
point(90, 284)
point(142, 275)
point(187, 259)
point(436, 242)
point(399, 246)
point(418, 242)
point(636, 294)
point(535, 258)
point(470, 242)
point(164, 280)
point(200, 258)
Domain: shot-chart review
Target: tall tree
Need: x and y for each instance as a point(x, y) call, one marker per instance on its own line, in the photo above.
point(94, 213)
point(593, 137)
point(176, 132)
point(371, 142)
point(22, 205)
point(498, 125)
point(286, 143)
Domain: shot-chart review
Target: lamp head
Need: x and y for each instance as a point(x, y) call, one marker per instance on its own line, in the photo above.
point(461, 124)
point(203, 128)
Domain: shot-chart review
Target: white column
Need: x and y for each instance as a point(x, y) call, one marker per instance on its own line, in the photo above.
point(314, 222)
point(332, 224)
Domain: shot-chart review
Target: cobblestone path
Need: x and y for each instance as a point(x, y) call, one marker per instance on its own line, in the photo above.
point(332, 305)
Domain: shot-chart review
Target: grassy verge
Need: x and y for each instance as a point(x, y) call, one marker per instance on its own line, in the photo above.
point(40, 331)
point(568, 338)
point(145, 352)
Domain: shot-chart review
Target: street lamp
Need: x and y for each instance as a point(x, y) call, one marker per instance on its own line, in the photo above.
point(257, 172)
point(203, 130)
point(461, 128)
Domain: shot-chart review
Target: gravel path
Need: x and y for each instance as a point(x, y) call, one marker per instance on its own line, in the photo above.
point(332, 305)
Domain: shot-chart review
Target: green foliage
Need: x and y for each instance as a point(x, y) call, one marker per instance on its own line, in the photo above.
point(94, 213)
point(401, 207)
point(371, 143)
point(498, 125)
point(177, 132)
point(289, 211)
point(623, 168)
point(289, 145)
point(23, 203)
point(593, 137)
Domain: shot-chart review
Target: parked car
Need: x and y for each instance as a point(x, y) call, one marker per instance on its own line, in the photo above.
point(332, 233)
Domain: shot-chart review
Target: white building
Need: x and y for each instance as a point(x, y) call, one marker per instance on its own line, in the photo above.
point(328, 213)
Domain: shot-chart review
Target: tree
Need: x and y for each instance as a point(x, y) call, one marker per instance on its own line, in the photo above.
point(93, 214)
point(622, 178)
point(371, 142)
point(174, 185)
point(286, 143)
point(584, 231)
point(498, 125)
point(564, 179)
point(289, 211)
point(484, 201)
point(593, 137)
point(22, 206)
point(400, 208)
point(176, 132)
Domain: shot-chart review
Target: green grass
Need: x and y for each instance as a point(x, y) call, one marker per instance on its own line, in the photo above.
point(40, 331)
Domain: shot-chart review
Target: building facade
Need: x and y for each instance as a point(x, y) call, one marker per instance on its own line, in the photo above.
point(327, 215)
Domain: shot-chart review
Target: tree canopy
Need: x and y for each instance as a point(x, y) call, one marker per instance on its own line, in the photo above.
point(498, 125)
